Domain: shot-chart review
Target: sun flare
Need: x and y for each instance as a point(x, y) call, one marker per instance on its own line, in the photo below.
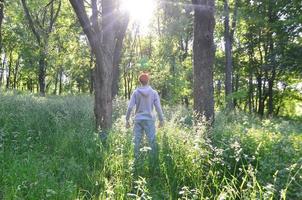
point(141, 11)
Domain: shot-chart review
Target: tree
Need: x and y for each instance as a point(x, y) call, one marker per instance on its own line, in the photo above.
point(228, 39)
point(41, 25)
point(105, 31)
point(203, 57)
point(1, 19)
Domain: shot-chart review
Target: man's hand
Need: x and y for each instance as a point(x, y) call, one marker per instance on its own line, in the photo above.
point(161, 124)
point(127, 124)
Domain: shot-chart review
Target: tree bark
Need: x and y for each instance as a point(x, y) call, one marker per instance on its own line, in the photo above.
point(203, 57)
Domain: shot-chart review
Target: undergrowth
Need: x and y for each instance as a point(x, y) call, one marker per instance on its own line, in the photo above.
point(49, 150)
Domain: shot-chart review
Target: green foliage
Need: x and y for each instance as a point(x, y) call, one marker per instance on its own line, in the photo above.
point(50, 151)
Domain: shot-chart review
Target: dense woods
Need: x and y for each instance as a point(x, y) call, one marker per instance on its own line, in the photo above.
point(257, 46)
point(228, 73)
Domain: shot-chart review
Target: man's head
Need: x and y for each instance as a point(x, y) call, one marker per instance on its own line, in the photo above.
point(144, 78)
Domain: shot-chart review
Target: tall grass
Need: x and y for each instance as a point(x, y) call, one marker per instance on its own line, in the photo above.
point(49, 150)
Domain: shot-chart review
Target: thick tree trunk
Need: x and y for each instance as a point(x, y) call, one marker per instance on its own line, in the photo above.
point(103, 94)
point(104, 70)
point(203, 57)
point(103, 41)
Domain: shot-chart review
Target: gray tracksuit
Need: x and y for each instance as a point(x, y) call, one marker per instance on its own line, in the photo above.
point(145, 99)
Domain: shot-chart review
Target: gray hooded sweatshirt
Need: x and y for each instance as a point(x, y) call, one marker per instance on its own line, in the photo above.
point(145, 99)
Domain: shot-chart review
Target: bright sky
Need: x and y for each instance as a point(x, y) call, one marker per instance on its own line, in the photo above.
point(141, 12)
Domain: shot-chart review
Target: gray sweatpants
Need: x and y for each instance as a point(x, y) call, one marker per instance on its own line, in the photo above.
point(141, 127)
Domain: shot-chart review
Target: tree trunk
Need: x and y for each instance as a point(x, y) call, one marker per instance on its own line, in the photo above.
point(203, 57)
point(125, 84)
point(16, 72)
point(218, 92)
point(236, 88)
point(271, 80)
point(117, 55)
point(103, 94)
point(270, 92)
point(261, 99)
point(228, 57)
point(1, 20)
point(2, 69)
point(103, 39)
point(41, 74)
point(251, 91)
point(60, 81)
point(9, 70)
point(91, 70)
point(56, 84)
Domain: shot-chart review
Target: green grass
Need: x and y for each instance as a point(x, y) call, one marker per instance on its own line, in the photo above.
point(49, 150)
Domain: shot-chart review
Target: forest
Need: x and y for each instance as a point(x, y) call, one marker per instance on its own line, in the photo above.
point(228, 74)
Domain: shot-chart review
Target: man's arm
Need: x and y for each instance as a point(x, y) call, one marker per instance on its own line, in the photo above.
point(130, 107)
point(158, 108)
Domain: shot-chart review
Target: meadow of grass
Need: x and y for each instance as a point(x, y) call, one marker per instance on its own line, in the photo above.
point(49, 150)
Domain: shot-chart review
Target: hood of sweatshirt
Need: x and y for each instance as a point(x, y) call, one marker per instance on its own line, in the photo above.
point(145, 90)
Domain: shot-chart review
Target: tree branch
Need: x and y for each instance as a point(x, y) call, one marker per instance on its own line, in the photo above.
point(30, 21)
point(54, 16)
point(79, 9)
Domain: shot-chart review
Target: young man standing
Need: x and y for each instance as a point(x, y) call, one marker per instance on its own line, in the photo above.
point(145, 99)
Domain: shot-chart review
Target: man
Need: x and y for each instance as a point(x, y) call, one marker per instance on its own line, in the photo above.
point(145, 99)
